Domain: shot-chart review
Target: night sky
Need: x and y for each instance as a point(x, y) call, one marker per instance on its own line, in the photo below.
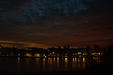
point(49, 23)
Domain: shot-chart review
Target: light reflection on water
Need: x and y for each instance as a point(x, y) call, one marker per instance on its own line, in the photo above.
point(49, 64)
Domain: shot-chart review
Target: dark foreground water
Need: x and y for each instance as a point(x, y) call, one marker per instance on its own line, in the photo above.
point(50, 64)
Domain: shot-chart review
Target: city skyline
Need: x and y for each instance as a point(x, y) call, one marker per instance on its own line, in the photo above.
point(53, 37)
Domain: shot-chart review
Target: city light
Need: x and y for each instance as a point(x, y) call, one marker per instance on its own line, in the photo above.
point(28, 54)
point(66, 60)
point(83, 59)
point(37, 55)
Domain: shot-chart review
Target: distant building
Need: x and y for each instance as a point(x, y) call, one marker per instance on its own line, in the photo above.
point(59, 47)
point(67, 46)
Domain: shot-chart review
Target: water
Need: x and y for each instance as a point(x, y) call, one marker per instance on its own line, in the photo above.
point(45, 64)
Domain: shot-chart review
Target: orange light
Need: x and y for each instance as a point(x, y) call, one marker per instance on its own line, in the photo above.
point(37, 55)
point(57, 59)
point(74, 59)
point(84, 59)
point(66, 60)
point(28, 54)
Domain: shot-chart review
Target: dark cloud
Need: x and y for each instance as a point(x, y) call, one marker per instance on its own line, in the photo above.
point(53, 22)
point(10, 5)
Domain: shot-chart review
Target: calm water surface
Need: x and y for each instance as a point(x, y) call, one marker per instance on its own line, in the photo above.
point(50, 64)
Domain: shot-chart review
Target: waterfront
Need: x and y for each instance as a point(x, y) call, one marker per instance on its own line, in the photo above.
point(39, 60)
